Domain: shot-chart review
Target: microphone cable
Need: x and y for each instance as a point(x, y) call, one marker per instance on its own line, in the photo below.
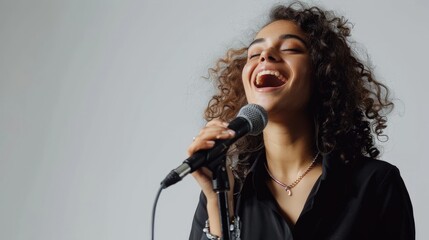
point(154, 210)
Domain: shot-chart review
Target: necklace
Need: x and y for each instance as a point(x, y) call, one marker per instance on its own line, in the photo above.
point(288, 188)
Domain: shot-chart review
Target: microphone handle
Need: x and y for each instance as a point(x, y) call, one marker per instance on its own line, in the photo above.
point(208, 157)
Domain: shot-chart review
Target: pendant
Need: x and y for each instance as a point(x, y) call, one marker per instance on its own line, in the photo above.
point(288, 191)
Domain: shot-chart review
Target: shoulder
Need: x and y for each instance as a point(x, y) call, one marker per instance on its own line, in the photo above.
point(374, 172)
point(370, 164)
point(383, 189)
point(373, 167)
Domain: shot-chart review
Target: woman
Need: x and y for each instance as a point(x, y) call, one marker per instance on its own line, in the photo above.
point(312, 173)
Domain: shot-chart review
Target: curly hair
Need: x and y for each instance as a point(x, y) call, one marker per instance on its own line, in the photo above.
point(348, 104)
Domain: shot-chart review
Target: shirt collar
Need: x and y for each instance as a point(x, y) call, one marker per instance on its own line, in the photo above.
point(334, 171)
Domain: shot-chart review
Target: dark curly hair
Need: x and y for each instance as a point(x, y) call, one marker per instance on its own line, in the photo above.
point(348, 104)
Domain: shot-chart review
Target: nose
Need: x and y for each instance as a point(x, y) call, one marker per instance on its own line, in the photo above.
point(269, 55)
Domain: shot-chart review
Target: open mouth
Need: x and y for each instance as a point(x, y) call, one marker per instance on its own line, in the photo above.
point(269, 78)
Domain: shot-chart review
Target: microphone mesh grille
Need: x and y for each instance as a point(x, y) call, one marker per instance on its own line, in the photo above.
point(256, 116)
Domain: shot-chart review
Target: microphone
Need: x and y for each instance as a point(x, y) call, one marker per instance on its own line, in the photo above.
point(251, 119)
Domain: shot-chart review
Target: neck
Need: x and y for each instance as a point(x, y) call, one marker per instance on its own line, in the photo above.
point(289, 145)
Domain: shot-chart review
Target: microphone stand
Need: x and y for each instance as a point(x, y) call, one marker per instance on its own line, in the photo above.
point(221, 187)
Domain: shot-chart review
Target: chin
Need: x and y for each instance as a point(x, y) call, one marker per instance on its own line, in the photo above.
point(267, 105)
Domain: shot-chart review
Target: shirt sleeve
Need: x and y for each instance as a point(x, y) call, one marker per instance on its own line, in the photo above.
point(200, 218)
point(396, 211)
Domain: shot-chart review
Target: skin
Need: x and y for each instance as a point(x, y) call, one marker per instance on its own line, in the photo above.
point(289, 136)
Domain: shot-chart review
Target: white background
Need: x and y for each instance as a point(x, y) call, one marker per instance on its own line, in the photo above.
point(99, 100)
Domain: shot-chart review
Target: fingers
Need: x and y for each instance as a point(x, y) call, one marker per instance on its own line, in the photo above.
point(214, 130)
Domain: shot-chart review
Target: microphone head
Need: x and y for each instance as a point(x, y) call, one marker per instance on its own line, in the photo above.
point(256, 116)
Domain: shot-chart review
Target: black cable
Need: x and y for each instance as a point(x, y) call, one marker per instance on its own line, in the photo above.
point(154, 210)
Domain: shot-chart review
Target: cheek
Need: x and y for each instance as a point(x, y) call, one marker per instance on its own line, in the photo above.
point(246, 74)
point(301, 68)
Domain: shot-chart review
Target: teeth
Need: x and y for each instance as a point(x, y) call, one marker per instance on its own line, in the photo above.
point(269, 72)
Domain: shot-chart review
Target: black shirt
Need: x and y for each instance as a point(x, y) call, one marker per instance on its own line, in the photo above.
point(365, 201)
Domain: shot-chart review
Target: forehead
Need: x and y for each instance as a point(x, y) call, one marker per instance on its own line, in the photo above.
point(280, 27)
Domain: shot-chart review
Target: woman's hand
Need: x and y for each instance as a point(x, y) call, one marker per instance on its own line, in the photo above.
point(214, 130)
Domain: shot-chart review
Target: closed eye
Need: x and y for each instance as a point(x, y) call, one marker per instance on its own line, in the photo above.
point(254, 55)
point(293, 50)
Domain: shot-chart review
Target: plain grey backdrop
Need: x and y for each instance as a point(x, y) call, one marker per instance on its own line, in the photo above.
point(99, 100)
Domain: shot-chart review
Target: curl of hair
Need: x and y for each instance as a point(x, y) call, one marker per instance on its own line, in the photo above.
point(348, 104)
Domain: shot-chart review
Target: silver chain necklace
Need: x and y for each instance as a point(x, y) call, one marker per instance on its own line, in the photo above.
point(288, 188)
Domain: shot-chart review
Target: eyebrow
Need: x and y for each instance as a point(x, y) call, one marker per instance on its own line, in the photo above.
point(284, 37)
